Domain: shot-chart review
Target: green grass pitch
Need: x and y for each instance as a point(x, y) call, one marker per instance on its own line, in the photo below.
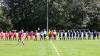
point(51, 48)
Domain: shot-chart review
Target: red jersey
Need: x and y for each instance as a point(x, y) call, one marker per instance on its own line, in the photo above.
point(21, 35)
point(2, 34)
point(50, 34)
point(14, 34)
point(26, 34)
point(34, 34)
point(31, 33)
point(6, 34)
point(10, 34)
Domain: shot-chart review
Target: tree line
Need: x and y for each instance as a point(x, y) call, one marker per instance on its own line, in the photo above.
point(63, 14)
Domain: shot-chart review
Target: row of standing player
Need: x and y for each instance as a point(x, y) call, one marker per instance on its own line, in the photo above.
point(13, 35)
point(51, 34)
point(78, 35)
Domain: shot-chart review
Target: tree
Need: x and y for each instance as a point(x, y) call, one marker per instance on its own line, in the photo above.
point(63, 14)
point(27, 14)
point(5, 21)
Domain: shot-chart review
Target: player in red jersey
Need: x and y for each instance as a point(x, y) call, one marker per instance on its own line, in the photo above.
point(14, 35)
point(34, 36)
point(2, 35)
point(26, 35)
point(50, 34)
point(6, 36)
point(54, 34)
point(10, 35)
point(31, 35)
point(21, 37)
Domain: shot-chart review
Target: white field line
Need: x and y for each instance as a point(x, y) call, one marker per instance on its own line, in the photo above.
point(58, 54)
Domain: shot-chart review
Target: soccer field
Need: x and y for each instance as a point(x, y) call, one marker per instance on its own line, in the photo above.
point(51, 48)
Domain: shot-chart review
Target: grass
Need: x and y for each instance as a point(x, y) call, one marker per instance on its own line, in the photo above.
point(45, 48)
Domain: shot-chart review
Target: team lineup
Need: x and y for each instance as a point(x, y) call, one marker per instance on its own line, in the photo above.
point(51, 35)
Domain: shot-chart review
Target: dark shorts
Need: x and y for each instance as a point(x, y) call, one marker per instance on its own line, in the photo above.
point(44, 35)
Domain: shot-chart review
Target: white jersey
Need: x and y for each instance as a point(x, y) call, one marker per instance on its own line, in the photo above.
point(65, 34)
point(38, 34)
point(42, 33)
point(45, 32)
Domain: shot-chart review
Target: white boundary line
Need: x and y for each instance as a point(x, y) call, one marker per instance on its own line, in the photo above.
point(58, 54)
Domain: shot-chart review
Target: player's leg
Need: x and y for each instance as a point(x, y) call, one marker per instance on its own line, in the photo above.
point(9, 37)
point(19, 41)
point(83, 37)
point(13, 38)
point(44, 36)
point(4, 37)
point(88, 36)
point(26, 37)
point(54, 37)
point(35, 37)
point(97, 35)
point(22, 41)
point(1, 38)
point(80, 37)
point(30, 37)
point(41, 37)
point(76, 37)
point(49, 36)
point(68, 37)
point(73, 37)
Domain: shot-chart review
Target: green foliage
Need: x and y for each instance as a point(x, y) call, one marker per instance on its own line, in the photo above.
point(63, 14)
point(5, 25)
